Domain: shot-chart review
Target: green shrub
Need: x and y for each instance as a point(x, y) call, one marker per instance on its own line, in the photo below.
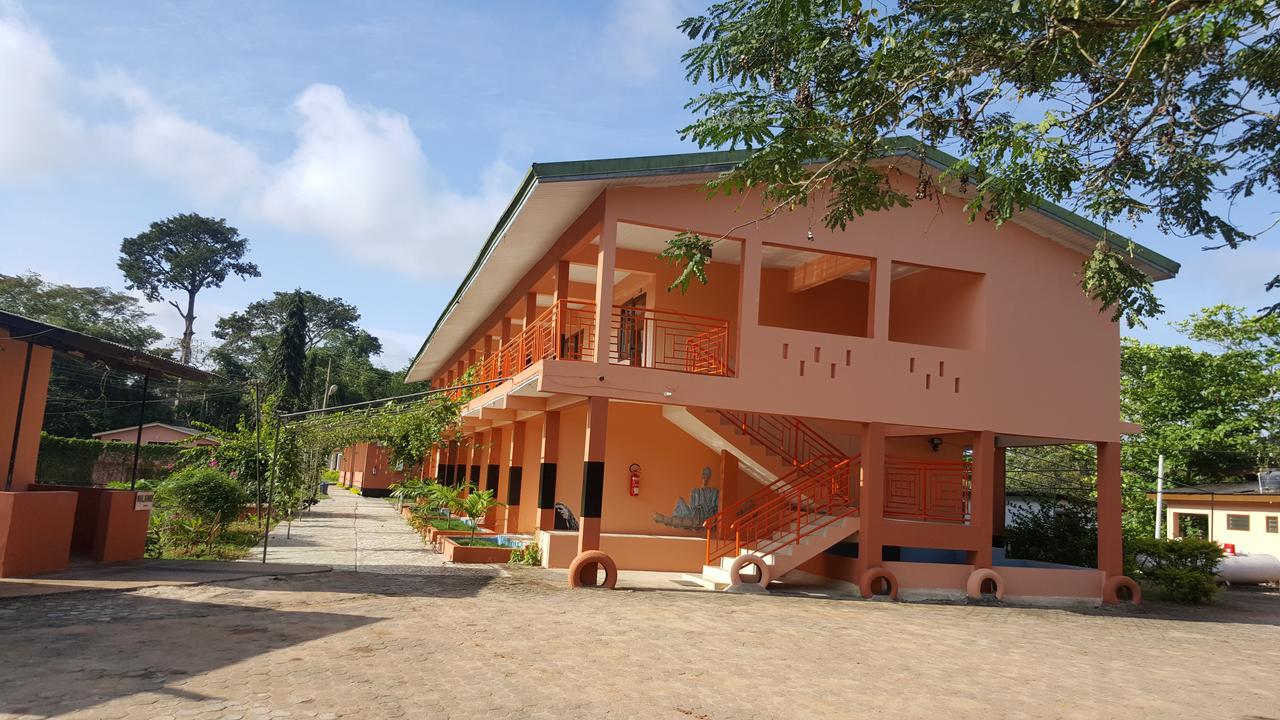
point(1182, 570)
point(329, 476)
point(204, 494)
point(1056, 532)
point(530, 554)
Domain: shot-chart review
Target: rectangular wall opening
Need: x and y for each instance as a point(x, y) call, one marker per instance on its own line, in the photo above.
point(936, 306)
point(815, 291)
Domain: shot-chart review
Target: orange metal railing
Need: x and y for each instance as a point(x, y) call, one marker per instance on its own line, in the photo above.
point(807, 506)
point(668, 340)
point(564, 331)
point(932, 490)
point(640, 336)
point(787, 437)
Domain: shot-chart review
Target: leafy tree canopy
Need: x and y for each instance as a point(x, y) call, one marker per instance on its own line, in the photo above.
point(98, 311)
point(186, 253)
point(1123, 109)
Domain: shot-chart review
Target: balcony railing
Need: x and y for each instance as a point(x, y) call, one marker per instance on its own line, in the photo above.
point(933, 491)
point(640, 337)
point(667, 340)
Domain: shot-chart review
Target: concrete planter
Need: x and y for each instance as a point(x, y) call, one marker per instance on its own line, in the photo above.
point(436, 537)
point(453, 552)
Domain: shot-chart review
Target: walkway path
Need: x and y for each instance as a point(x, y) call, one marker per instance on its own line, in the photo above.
point(349, 532)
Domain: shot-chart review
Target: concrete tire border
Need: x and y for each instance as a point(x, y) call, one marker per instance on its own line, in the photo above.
point(589, 561)
point(871, 575)
point(735, 570)
point(973, 586)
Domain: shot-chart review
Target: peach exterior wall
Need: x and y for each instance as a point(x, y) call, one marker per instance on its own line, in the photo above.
point(35, 532)
point(629, 552)
point(12, 360)
point(1019, 581)
point(670, 466)
point(153, 434)
point(1049, 363)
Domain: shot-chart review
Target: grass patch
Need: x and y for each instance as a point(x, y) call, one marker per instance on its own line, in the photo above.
point(449, 524)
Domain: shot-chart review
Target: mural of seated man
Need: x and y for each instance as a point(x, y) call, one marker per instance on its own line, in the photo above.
point(703, 503)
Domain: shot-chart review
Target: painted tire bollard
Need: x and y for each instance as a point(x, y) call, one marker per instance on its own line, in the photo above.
point(1120, 589)
point(583, 569)
point(980, 576)
point(765, 574)
point(870, 579)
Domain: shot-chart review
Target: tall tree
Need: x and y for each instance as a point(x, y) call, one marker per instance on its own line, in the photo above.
point(1122, 108)
point(186, 253)
point(291, 355)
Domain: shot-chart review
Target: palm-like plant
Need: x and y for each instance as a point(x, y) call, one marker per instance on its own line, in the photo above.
point(444, 497)
point(476, 505)
point(409, 491)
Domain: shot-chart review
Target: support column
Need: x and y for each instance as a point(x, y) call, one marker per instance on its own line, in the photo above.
point(871, 498)
point(981, 490)
point(878, 293)
point(547, 471)
point(1110, 535)
point(729, 469)
point(998, 499)
point(460, 462)
point(606, 260)
point(593, 474)
point(477, 449)
point(493, 451)
point(515, 479)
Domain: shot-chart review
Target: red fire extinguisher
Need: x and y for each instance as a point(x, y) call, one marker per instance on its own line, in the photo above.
point(635, 479)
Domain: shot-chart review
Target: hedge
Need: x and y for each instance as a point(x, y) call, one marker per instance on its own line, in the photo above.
point(71, 461)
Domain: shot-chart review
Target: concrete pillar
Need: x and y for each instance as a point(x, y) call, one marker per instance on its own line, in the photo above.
point(547, 471)
point(748, 293)
point(981, 490)
point(1110, 535)
point(492, 453)
point(878, 296)
point(477, 451)
point(515, 479)
point(606, 260)
point(728, 480)
point(997, 498)
point(460, 461)
point(871, 498)
point(593, 474)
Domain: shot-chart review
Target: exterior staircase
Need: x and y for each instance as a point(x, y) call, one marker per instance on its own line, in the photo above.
point(808, 501)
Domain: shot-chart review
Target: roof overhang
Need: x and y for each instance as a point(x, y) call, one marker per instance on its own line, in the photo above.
point(553, 195)
point(78, 344)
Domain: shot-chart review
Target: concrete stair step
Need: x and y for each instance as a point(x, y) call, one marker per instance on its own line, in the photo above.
point(704, 582)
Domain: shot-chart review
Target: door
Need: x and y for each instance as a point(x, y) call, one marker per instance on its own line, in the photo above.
point(631, 329)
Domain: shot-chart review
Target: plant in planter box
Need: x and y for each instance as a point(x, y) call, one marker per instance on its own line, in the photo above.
point(476, 505)
point(529, 554)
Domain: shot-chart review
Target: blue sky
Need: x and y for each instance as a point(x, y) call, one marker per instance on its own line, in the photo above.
point(364, 148)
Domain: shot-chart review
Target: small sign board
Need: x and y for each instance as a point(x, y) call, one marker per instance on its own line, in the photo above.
point(144, 500)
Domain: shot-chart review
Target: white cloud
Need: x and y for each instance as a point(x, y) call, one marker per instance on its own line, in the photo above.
point(644, 36)
point(358, 176)
point(37, 135)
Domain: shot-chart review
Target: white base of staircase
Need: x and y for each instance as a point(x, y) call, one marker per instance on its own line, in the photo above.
point(786, 558)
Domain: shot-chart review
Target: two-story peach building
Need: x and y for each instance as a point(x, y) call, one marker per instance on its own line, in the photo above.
point(837, 402)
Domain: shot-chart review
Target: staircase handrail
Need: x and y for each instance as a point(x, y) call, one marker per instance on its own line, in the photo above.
point(805, 442)
point(831, 489)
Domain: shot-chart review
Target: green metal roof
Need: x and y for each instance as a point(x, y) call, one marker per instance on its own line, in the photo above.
point(724, 160)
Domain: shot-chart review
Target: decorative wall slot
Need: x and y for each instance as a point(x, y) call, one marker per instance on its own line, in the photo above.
point(786, 347)
point(833, 371)
point(801, 368)
point(911, 366)
point(957, 384)
point(940, 369)
point(848, 358)
point(928, 380)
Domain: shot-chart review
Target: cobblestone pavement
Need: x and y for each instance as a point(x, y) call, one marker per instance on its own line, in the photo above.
point(483, 642)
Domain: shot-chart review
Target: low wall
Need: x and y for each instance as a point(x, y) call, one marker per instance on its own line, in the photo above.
point(666, 553)
point(35, 532)
point(107, 528)
point(1026, 582)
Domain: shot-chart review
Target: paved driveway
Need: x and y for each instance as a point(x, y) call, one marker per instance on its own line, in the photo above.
point(422, 640)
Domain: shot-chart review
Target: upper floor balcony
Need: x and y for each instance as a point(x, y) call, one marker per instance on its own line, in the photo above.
point(637, 337)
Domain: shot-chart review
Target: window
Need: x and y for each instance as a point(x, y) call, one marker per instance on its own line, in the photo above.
point(1273, 524)
point(1238, 522)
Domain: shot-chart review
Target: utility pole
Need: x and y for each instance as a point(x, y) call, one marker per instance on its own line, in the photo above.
point(1159, 494)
